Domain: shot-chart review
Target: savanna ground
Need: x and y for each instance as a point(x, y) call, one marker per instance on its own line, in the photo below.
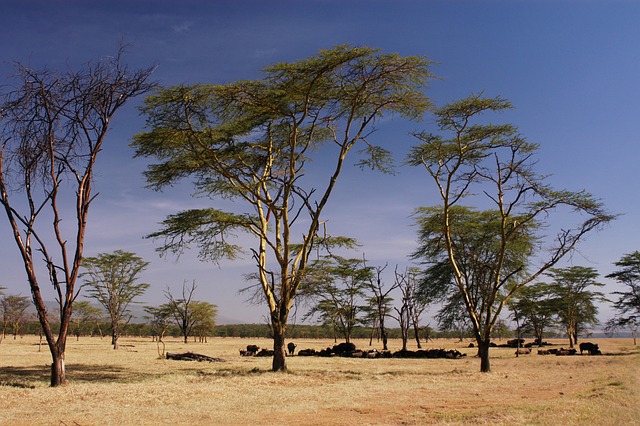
point(134, 386)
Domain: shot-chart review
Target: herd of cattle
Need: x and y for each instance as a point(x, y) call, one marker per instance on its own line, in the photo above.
point(350, 350)
point(590, 348)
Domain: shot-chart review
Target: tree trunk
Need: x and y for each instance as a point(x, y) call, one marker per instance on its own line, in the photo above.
point(416, 331)
point(279, 350)
point(383, 335)
point(58, 372)
point(483, 353)
point(114, 341)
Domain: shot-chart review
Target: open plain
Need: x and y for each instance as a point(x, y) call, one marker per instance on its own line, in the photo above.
point(133, 385)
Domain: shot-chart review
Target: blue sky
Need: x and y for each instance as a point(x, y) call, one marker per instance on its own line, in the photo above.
point(571, 69)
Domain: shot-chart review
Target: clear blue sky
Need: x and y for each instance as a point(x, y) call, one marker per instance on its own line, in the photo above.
point(571, 68)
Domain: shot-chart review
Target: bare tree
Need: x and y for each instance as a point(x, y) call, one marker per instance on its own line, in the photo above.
point(53, 127)
point(181, 309)
point(410, 310)
point(381, 302)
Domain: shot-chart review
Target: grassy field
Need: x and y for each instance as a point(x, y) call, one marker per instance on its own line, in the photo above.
point(134, 386)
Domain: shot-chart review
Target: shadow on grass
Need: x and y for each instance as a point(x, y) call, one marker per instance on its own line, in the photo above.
point(30, 377)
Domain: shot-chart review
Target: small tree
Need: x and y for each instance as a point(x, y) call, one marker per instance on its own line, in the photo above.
point(84, 316)
point(337, 286)
point(628, 303)
point(380, 303)
point(574, 305)
point(13, 313)
point(111, 279)
point(534, 308)
point(53, 127)
point(204, 319)
point(160, 319)
point(252, 142)
point(411, 307)
point(488, 257)
point(182, 309)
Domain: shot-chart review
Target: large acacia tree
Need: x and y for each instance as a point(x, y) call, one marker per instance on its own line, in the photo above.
point(53, 126)
point(253, 142)
point(492, 165)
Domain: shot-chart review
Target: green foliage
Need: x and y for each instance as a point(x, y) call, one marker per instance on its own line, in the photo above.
point(250, 142)
point(85, 318)
point(485, 254)
point(13, 312)
point(337, 287)
point(573, 303)
point(534, 308)
point(111, 279)
point(628, 303)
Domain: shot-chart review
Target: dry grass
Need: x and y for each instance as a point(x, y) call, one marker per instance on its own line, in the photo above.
point(134, 386)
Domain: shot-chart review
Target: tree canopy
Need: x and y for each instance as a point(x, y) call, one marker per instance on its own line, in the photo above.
point(488, 253)
point(628, 303)
point(112, 280)
point(253, 141)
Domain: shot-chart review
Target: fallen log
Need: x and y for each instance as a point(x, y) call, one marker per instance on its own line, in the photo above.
point(190, 356)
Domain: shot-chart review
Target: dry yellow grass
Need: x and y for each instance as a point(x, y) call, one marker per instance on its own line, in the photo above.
point(134, 386)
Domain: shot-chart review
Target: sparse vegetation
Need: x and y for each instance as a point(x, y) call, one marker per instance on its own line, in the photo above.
point(540, 390)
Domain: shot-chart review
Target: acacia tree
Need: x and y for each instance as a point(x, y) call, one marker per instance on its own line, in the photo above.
point(53, 127)
point(337, 286)
point(469, 161)
point(204, 319)
point(111, 279)
point(573, 303)
point(534, 307)
point(85, 315)
point(628, 303)
point(252, 141)
point(160, 318)
point(13, 313)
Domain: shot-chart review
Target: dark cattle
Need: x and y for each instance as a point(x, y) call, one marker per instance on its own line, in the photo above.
point(306, 352)
point(291, 347)
point(514, 343)
point(565, 352)
point(344, 349)
point(523, 351)
point(253, 348)
point(592, 348)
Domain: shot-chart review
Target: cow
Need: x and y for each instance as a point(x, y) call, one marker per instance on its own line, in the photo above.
point(291, 347)
point(523, 351)
point(592, 348)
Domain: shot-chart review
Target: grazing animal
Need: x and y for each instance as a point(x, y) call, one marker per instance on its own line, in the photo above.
point(523, 351)
point(592, 348)
point(291, 347)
